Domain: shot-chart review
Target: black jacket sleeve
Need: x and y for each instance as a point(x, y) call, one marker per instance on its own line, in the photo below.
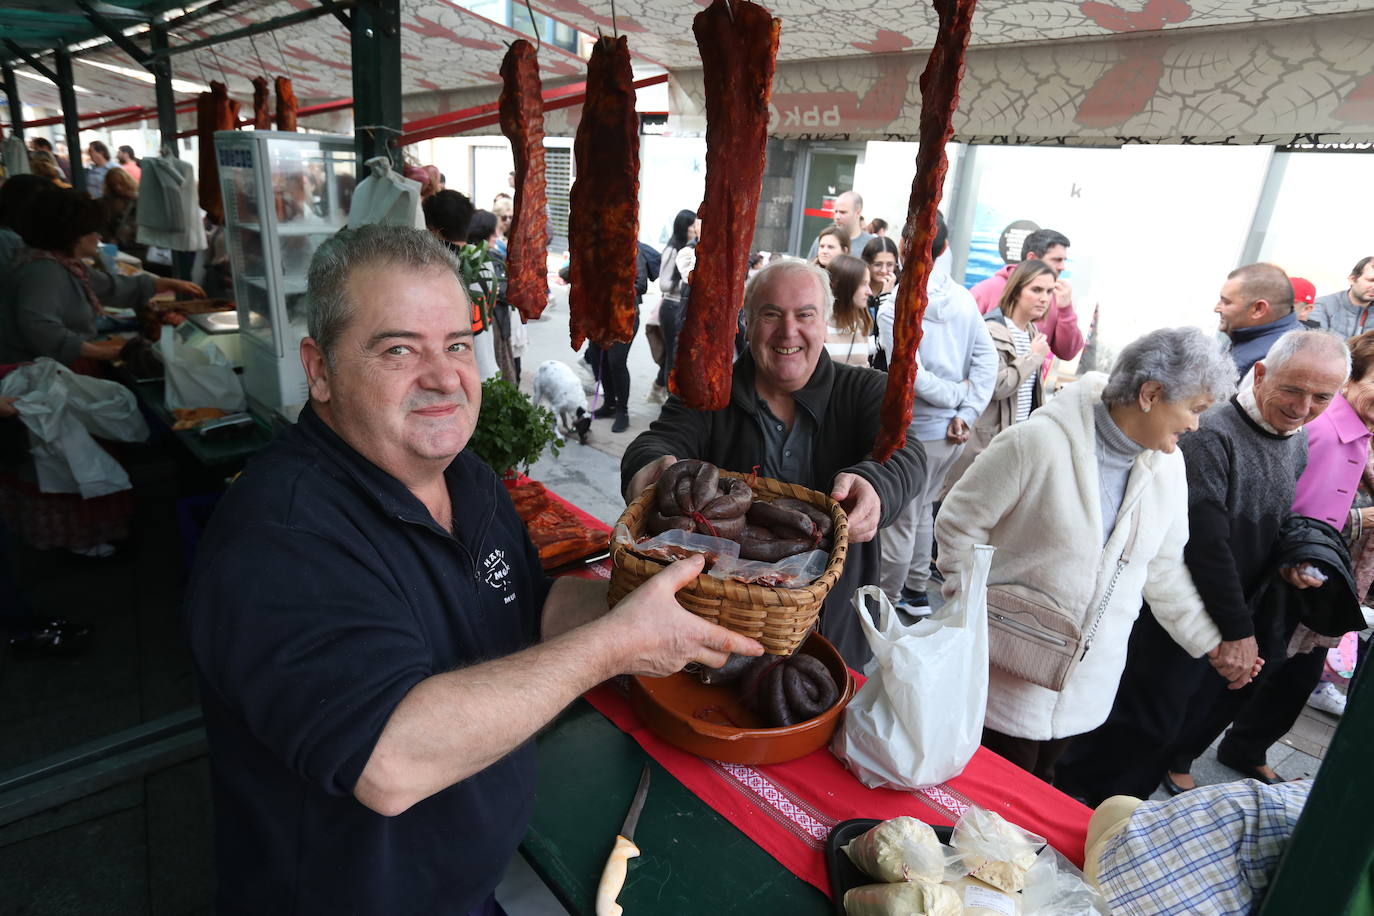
point(899, 479)
point(679, 431)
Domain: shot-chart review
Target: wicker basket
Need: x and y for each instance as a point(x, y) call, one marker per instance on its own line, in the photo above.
point(779, 618)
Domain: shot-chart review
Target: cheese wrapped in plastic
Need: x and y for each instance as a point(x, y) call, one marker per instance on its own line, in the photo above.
point(901, 849)
point(994, 850)
point(910, 898)
point(980, 899)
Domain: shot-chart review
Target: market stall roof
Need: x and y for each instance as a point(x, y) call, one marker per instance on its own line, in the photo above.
point(1039, 71)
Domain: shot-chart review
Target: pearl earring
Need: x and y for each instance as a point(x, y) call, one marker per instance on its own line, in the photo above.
point(1146, 408)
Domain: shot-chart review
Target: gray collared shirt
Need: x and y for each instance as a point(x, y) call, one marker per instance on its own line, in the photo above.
point(786, 454)
point(1335, 313)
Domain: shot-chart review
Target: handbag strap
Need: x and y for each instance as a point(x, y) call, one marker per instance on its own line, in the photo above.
point(1121, 564)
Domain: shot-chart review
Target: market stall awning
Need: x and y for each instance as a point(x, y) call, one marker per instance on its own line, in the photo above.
point(1039, 71)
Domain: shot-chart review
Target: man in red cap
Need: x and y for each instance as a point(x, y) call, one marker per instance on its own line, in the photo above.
point(1304, 295)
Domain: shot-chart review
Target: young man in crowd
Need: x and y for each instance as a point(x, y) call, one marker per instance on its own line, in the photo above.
point(1060, 324)
point(849, 218)
point(1347, 312)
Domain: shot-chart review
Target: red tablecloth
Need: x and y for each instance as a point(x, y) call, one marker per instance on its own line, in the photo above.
point(789, 808)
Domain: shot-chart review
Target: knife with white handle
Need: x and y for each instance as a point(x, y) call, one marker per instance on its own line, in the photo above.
point(613, 875)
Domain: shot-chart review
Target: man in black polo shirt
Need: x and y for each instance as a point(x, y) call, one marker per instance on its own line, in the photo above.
point(376, 640)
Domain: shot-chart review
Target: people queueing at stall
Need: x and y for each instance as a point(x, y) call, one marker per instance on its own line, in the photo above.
point(1175, 512)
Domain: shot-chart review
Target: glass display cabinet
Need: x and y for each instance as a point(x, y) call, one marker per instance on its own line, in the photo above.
point(284, 194)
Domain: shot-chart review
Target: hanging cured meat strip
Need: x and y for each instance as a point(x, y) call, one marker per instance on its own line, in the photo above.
point(522, 121)
point(214, 111)
point(262, 108)
point(939, 100)
point(603, 217)
point(286, 104)
point(739, 46)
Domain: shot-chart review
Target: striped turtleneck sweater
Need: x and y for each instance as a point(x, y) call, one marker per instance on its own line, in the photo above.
point(1116, 453)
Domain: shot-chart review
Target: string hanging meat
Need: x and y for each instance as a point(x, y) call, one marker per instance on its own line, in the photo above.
point(262, 110)
point(214, 111)
point(603, 219)
point(522, 121)
point(286, 104)
point(739, 47)
point(939, 100)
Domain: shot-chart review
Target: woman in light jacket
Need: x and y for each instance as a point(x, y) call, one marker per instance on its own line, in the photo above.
point(1021, 349)
point(1087, 505)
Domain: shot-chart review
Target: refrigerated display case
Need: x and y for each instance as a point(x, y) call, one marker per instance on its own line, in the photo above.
point(284, 194)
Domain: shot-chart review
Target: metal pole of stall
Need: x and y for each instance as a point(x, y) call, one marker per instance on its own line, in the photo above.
point(12, 96)
point(66, 89)
point(376, 43)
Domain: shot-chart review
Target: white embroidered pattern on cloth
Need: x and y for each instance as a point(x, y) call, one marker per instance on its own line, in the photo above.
point(801, 819)
point(944, 799)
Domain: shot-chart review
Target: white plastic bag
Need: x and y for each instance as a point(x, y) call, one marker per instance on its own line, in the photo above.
point(61, 411)
point(919, 718)
point(385, 198)
point(199, 376)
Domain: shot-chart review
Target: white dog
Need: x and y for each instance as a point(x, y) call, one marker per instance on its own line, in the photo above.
point(557, 385)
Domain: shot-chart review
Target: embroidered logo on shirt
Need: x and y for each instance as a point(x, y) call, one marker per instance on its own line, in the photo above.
point(496, 571)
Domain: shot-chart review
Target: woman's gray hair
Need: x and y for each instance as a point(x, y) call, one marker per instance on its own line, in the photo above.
point(329, 307)
point(1184, 361)
point(1295, 342)
point(753, 292)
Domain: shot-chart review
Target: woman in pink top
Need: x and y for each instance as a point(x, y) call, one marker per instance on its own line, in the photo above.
point(1337, 459)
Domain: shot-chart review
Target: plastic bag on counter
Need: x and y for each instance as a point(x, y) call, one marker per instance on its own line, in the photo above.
point(919, 718)
point(899, 849)
point(994, 850)
point(1054, 887)
point(908, 898)
point(199, 376)
point(790, 572)
point(62, 411)
point(679, 545)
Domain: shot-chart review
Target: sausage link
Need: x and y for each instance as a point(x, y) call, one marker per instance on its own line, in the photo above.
point(734, 499)
point(667, 488)
point(819, 517)
point(815, 671)
point(728, 528)
point(771, 551)
point(658, 523)
point(704, 484)
point(783, 521)
point(775, 701)
point(794, 686)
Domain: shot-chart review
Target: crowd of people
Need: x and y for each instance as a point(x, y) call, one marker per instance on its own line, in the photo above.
point(1178, 541)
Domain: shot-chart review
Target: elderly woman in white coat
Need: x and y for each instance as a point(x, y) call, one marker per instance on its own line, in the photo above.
point(1087, 505)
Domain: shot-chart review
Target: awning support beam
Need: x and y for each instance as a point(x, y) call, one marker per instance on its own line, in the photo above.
point(161, 69)
point(16, 106)
point(271, 25)
point(376, 44)
point(31, 60)
point(114, 33)
point(66, 90)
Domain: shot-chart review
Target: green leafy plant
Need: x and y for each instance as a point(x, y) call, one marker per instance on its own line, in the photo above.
point(511, 432)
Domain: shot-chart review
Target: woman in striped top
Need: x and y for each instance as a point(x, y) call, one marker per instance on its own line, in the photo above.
point(1021, 350)
point(850, 324)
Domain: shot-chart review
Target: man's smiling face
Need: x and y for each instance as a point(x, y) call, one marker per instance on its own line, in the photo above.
point(787, 331)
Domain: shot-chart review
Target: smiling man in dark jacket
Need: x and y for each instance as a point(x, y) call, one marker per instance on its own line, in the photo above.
point(796, 415)
point(376, 639)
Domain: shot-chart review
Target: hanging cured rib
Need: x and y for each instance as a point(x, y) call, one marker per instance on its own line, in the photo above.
point(286, 104)
point(939, 100)
point(527, 242)
point(262, 109)
point(603, 216)
point(214, 111)
point(738, 42)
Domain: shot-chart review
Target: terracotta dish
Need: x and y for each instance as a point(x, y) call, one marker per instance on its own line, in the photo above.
point(698, 719)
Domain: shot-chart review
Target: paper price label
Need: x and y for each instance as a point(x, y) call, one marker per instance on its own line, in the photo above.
point(989, 899)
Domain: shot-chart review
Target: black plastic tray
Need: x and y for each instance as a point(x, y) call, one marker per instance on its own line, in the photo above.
point(842, 872)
